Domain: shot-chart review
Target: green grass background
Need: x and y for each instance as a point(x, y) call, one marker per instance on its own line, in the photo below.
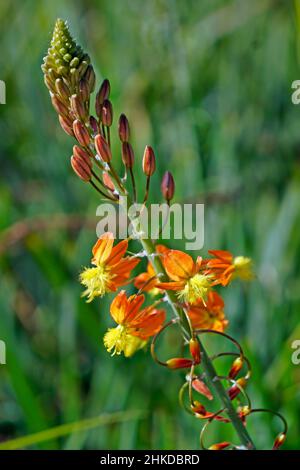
point(208, 84)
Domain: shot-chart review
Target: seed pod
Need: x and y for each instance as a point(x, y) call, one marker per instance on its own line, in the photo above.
point(127, 154)
point(149, 164)
point(81, 168)
point(124, 131)
point(168, 186)
point(62, 89)
point(84, 90)
point(94, 125)
point(78, 107)
point(80, 153)
point(107, 113)
point(179, 363)
point(102, 148)
point(195, 350)
point(108, 181)
point(90, 77)
point(59, 106)
point(66, 125)
point(81, 133)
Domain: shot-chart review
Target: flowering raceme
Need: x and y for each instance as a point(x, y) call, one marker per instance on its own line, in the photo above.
point(187, 287)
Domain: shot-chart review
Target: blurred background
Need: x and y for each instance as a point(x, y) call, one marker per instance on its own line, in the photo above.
point(208, 85)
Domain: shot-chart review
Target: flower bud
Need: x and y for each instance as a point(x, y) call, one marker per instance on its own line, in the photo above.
point(103, 94)
point(94, 125)
point(78, 107)
point(62, 89)
point(49, 83)
point(84, 89)
point(59, 106)
point(127, 154)
point(81, 133)
point(90, 77)
point(80, 153)
point(279, 441)
point(124, 131)
point(236, 388)
point(81, 168)
point(168, 186)
point(198, 408)
point(236, 367)
point(108, 181)
point(102, 148)
point(66, 125)
point(195, 350)
point(220, 446)
point(107, 113)
point(149, 164)
point(179, 363)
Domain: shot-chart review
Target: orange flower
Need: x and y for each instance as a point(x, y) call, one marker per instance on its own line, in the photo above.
point(224, 267)
point(147, 281)
point(209, 315)
point(111, 269)
point(135, 326)
point(189, 284)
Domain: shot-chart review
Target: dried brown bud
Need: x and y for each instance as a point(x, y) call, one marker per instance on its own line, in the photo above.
point(168, 186)
point(103, 94)
point(78, 107)
point(102, 148)
point(66, 124)
point(149, 161)
point(62, 89)
point(84, 89)
point(127, 154)
point(108, 181)
point(107, 113)
point(90, 77)
point(124, 131)
point(59, 106)
point(80, 153)
point(81, 133)
point(81, 168)
point(94, 125)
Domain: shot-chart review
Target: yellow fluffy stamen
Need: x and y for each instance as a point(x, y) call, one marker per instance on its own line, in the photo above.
point(96, 282)
point(197, 287)
point(118, 340)
point(243, 268)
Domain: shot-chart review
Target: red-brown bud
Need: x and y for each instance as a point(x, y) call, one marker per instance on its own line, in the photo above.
point(103, 94)
point(220, 446)
point(124, 131)
point(236, 367)
point(149, 164)
point(107, 113)
point(279, 441)
point(236, 388)
point(195, 350)
point(108, 181)
point(59, 106)
point(81, 133)
point(127, 154)
point(66, 124)
point(84, 89)
point(78, 107)
point(80, 153)
point(90, 77)
point(179, 363)
point(202, 388)
point(198, 408)
point(94, 125)
point(81, 168)
point(168, 186)
point(102, 148)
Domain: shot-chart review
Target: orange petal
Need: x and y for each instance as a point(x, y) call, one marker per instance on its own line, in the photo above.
point(118, 252)
point(125, 266)
point(119, 307)
point(178, 265)
point(171, 285)
point(222, 254)
point(102, 248)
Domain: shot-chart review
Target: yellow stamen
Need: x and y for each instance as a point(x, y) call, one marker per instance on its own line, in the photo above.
point(96, 282)
point(243, 268)
point(197, 287)
point(118, 340)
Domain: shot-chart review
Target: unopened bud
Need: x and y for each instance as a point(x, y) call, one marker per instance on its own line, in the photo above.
point(198, 408)
point(149, 164)
point(220, 446)
point(81, 168)
point(279, 441)
point(90, 77)
point(49, 84)
point(124, 131)
point(236, 388)
point(84, 89)
point(62, 89)
point(66, 125)
point(108, 181)
point(195, 350)
point(80, 153)
point(59, 106)
point(81, 133)
point(127, 154)
point(103, 94)
point(102, 148)
point(107, 113)
point(179, 363)
point(168, 186)
point(78, 107)
point(94, 125)
point(236, 367)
